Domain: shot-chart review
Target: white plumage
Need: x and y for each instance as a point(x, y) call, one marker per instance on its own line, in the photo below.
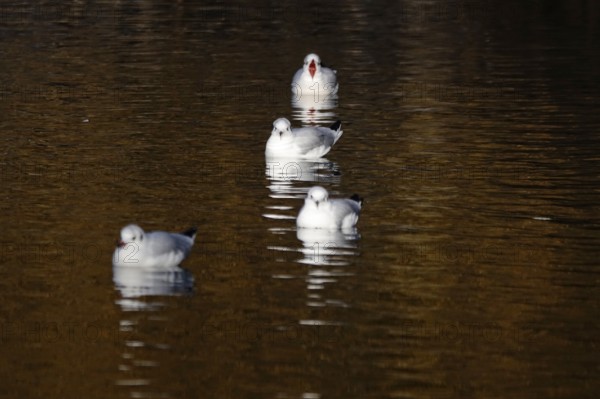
point(314, 80)
point(320, 212)
point(157, 249)
point(303, 143)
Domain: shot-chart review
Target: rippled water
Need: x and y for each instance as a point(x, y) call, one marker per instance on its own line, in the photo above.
point(471, 129)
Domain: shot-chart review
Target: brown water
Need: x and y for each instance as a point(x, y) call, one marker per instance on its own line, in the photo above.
point(471, 128)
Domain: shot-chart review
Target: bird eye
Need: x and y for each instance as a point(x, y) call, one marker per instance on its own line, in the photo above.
point(133, 238)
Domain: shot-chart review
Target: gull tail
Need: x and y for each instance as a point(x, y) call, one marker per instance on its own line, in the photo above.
point(357, 198)
point(337, 128)
point(191, 232)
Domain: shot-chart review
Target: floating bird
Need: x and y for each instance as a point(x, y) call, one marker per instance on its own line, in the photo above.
point(314, 79)
point(320, 212)
point(157, 249)
point(304, 143)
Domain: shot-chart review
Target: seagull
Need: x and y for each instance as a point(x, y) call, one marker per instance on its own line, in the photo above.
point(157, 249)
point(314, 79)
point(320, 212)
point(304, 143)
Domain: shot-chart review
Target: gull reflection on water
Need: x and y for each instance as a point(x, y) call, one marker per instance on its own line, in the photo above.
point(328, 254)
point(314, 109)
point(144, 291)
point(292, 169)
point(327, 257)
point(322, 247)
point(136, 283)
point(283, 172)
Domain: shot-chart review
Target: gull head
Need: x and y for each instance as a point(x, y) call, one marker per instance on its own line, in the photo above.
point(282, 128)
point(317, 195)
point(312, 63)
point(131, 233)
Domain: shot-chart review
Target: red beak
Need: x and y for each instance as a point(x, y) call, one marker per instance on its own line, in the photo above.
point(312, 68)
point(120, 244)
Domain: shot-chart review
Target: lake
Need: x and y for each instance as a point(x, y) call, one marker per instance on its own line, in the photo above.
point(470, 129)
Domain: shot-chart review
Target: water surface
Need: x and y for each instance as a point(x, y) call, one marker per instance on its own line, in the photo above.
point(471, 129)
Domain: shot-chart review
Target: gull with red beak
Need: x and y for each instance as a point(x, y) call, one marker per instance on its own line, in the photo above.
point(302, 143)
point(156, 249)
point(314, 79)
point(320, 212)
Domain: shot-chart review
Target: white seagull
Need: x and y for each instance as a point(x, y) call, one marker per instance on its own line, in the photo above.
point(157, 249)
point(304, 143)
point(320, 212)
point(314, 79)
